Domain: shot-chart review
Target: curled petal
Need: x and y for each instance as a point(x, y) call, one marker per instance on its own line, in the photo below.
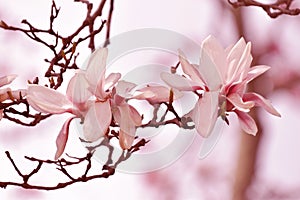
point(247, 122)
point(62, 138)
point(205, 113)
point(124, 88)
point(239, 104)
point(5, 80)
point(190, 69)
point(180, 83)
point(77, 91)
point(111, 80)
point(97, 121)
point(47, 100)
point(256, 71)
point(261, 101)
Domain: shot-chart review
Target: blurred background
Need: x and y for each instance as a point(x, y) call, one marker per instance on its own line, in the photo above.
point(240, 167)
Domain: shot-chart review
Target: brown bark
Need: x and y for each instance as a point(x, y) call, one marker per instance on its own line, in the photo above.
point(249, 145)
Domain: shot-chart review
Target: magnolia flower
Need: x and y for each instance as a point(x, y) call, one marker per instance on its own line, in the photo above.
point(7, 93)
point(95, 114)
point(223, 75)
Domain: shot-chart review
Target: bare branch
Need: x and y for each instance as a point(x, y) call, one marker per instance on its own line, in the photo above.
point(280, 7)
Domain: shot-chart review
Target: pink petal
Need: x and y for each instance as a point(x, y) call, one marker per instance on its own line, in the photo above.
point(205, 113)
point(247, 122)
point(135, 116)
point(125, 140)
point(237, 50)
point(97, 121)
point(238, 88)
point(62, 138)
point(116, 114)
point(239, 104)
point(244, 63)
point(118, 100)
point(5, 80)
point(47, 100)
point(261, 101)
point(238, 71)
point(209, 70)
point(129, 119)
point(233, 58)
point(96, 66)
point(180, 83)
point(124, 88)
point(111, 80)
point(217, 54)
point(190, 69)
point(256, 71)
point(77, 91)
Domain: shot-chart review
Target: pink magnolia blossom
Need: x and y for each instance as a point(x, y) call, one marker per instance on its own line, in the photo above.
point(7, 93)
point(223, 75)
point(95, 114)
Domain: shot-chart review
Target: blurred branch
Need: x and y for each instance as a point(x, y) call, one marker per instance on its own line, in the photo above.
point(288, 82)
point(280, 7)
point(249, 145)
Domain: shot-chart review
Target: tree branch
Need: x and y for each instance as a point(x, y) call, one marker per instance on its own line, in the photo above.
point(280, 7)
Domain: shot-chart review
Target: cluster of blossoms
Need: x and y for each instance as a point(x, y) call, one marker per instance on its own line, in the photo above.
point(222, 75)
point(102, 101)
